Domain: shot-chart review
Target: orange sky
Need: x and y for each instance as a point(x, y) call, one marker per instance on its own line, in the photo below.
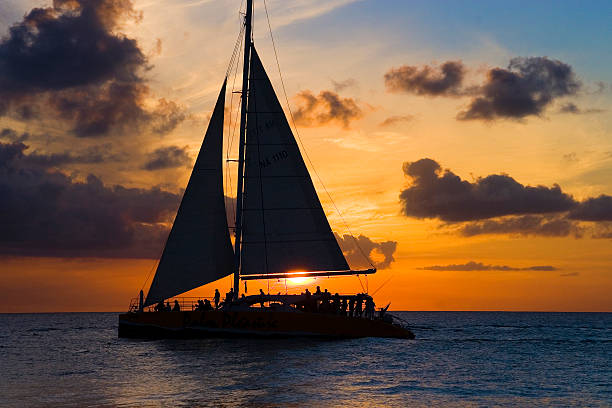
point(321, 47)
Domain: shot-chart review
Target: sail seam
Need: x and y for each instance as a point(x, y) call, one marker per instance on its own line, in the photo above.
point(282, 209)
point(261, 192)
point(287, 240)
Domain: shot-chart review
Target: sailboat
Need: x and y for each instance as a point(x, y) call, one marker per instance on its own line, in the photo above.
point(281, 231)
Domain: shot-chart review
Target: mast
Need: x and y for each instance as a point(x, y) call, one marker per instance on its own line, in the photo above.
point(243, 113)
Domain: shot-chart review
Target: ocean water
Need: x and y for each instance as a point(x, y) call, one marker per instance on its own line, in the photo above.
point(458, 359)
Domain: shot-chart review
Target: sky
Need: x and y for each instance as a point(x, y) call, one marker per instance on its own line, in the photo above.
point(466, 145)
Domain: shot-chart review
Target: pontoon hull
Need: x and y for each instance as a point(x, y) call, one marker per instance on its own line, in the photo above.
point(218, 323)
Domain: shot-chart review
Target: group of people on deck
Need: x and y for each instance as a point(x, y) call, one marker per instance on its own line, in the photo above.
point(360, 305)
point(161, 307)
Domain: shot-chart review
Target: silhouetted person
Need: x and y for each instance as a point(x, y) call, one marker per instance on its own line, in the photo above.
point(177, 307)
point(318, 292)
point(207, 305)
point(336, 304)
point(343, 307)
point(359, 307)
point(217, 298)
point(229, 296)
point(261, 298)
point(200, 305)
point(351, 307)
point(160, 306)
point(369, 308)
point(168, 307)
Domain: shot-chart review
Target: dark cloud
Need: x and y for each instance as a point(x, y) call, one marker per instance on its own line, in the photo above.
point(525, 88)
point(479, 266)
point(46, 213)
point(572, 108)
point(14, 136)
point(435, 193)
point(497, 204)
point(327, 107)
point(167, 157)
point(527, 225)
point(340, 86)
point(167, 116)
point(94, 154)
point(593, 209)
point(357, 249)
point(426, 80)
point(69, 62)
point(394, 120)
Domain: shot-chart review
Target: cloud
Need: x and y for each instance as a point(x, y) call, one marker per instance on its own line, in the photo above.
point(593, 209)
point(435, 193)
point(340, 86)
point(498, 204)
point(167, 157)
point(357, 249)
point(13, 136)
point(479, 266)
point(527, 225)
point(70, 63)
point(327, 107)
point(575, 110)
point(46, 213)
point(394, 120)
point(569, 274)
point(526, 87)
point(445, 80)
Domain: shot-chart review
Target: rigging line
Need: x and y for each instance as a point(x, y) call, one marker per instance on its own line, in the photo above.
point(362, 288)
point(232, 132)
point(381, 286)
point(302, 143)
point(149, 274)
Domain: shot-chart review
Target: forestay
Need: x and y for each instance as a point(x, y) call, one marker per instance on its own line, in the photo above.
point(198, 250)
point(284, 226)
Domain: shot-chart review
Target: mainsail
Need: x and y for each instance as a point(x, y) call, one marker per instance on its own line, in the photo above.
point(198, 250)
point(284, 227)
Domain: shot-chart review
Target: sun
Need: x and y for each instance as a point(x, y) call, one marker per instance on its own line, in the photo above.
point(300, 281)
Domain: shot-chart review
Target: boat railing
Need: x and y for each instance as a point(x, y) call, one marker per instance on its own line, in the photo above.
point(185, 303)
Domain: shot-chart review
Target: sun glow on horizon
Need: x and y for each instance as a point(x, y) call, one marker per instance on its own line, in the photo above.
point(300, 281)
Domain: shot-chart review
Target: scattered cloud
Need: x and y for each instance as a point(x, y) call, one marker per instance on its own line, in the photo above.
point(14, 136)
point(593, 209)
point(167, 157)
point(380, 254)
point(479, 266)
point(340, 86)
point(572, 108)
point(571, 157)
point(47, 213)
point(70, 63)
point(435, 193)
point(526, 87)
point(498, 204)
point(445, 80)
point(526, 225)
point(325, 108)
point(569, 274)
point(395, 120)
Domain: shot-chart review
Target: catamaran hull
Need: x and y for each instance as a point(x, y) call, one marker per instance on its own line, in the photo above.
point(216, 323)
